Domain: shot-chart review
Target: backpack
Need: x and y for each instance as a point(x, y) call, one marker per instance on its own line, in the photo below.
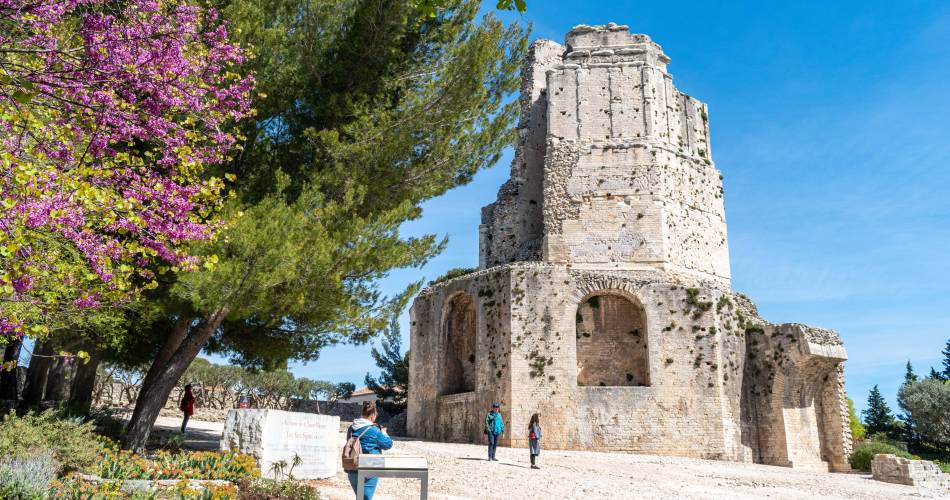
point(352, 450)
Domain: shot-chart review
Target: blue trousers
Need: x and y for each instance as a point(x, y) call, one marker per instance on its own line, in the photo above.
point(369, 485)
point(492, 444)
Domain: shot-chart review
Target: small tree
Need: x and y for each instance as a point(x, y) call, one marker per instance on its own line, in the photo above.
point(857, 428)
point(946, 361)
point(928, 404)
point(877, 416)
point(909, 433)
point(909, 375)
point(393, 382)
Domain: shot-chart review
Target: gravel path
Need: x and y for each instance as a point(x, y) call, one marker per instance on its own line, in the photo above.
point(459, 471)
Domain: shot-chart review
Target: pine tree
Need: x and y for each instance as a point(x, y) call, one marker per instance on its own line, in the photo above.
point(910, 376)
point(393, 382)
point(908, 427)
point(877, 416)
point(934, 374)
point(372, 107)
point(946, 362)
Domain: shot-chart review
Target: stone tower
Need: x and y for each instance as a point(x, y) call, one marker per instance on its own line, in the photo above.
point(614, 168)
point(603, 297)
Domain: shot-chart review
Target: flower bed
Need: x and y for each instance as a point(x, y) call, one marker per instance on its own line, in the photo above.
point(228, 466)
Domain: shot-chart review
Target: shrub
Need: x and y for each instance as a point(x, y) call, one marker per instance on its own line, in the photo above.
point(72, 444)
point(27, 478)
point(453, 273)
point(268, 489)
point(863, 454)
point(230, 466)
point(928, 403)
point(857, 428)
point(72, 489)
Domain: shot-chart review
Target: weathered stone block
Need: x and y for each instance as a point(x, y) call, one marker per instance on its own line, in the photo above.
point(923, 473)
point(272, 435)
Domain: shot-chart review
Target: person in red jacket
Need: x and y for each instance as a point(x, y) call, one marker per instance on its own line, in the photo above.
point(187, 406)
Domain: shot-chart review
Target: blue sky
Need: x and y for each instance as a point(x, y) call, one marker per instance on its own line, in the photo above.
point(831, 124)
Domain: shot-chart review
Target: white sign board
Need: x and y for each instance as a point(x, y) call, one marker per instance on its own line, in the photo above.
point(273, 436)
point(368, 461)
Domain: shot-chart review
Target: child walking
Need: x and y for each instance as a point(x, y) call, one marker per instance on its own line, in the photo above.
point(534, 438)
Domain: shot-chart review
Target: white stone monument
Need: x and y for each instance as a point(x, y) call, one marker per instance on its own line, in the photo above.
point(274, 435)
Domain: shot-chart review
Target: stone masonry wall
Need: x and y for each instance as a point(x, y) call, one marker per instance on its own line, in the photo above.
point(603, 301)
point(457, 416)
point(629, 178)
point(511, 226)
point(611, 345)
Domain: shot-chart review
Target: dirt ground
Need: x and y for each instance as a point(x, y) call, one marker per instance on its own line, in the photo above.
point(459, 471)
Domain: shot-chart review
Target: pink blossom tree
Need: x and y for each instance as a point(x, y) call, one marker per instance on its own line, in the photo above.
point(110, 118)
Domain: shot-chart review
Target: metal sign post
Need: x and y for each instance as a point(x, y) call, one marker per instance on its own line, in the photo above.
point(392, 466)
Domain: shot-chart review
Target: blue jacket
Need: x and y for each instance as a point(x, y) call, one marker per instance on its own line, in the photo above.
point(374, 441)
point(494, 423)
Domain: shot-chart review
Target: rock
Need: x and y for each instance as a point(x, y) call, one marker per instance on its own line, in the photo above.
point(893, 469)
point(396, 426)
point(273, 435)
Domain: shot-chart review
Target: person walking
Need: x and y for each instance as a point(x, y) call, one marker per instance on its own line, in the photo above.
point(187, 406)
point(373, 440)
point(494, 428)
point(534, 438)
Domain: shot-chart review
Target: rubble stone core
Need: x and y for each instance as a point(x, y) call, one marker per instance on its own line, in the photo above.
point(603, 297)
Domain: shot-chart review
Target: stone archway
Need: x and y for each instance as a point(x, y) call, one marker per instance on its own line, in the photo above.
point(611, 337)
point(458, 359)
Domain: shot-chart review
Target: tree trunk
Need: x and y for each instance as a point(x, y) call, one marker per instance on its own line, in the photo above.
point(37, 373)
point(163, 376)
point(9, 389)
point(84, 383)
point(56, 379)
point(172, 343)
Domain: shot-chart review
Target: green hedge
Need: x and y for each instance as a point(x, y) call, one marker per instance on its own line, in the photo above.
point(863, 454)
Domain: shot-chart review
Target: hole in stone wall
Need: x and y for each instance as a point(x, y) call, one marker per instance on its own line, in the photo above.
point(611, 342)
point(458, 367)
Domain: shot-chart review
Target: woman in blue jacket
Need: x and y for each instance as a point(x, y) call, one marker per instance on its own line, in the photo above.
point(494, 428)
point(373, 440)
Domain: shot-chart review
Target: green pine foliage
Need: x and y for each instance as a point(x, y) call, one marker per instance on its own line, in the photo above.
point(366, 109)
point(877, 416)
point(946, 361)
point(908, 426)
point(393, 381)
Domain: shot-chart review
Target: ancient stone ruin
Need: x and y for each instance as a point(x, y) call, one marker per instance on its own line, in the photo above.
point(603, 297)
point(922, 473)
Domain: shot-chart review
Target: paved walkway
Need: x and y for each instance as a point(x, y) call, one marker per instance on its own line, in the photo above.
point(199, 435)
point(460, 471)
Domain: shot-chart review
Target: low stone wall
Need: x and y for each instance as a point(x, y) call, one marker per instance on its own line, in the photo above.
point(893, 469)
point(347, 412)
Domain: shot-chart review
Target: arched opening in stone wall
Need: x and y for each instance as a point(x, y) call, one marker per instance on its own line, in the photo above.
point(458, 361)
point(611, 342)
